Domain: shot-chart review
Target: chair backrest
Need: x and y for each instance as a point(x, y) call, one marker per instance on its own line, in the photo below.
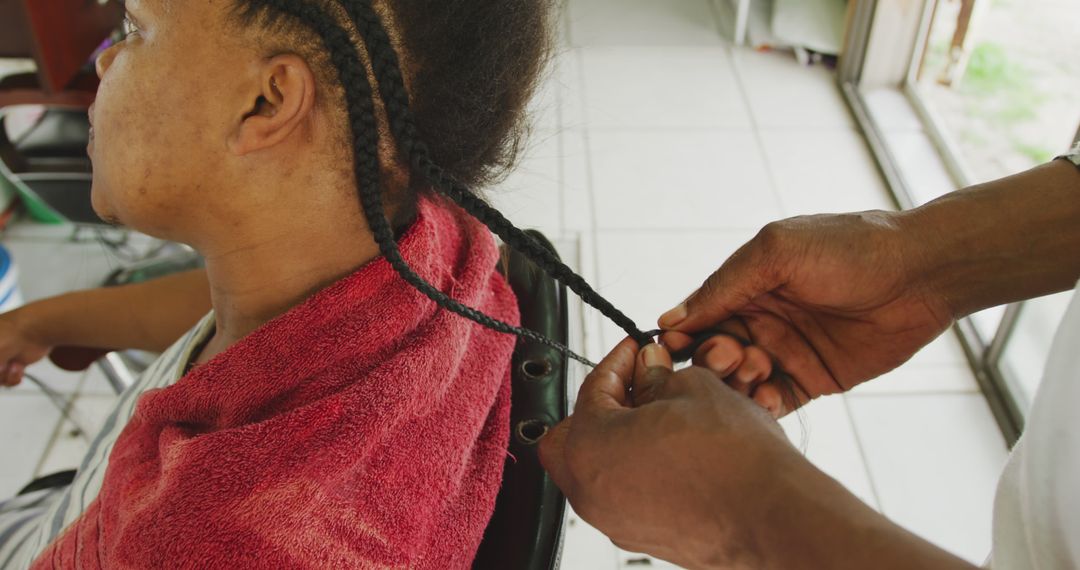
point(46, 173)
point(525, 532)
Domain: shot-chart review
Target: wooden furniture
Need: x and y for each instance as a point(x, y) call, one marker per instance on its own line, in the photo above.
point(60, 36)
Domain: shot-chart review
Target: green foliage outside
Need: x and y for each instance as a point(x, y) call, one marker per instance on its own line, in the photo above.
point(1002, 92)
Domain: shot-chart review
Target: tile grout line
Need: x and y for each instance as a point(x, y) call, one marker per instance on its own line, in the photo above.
point(740, 84)
point(717, 21)
point(560, 146)
point(862, 455)
point(578, 71)
point(916, 394)
point(662, 230)
point(58, 428)
point(589, 189)
point(799, 129)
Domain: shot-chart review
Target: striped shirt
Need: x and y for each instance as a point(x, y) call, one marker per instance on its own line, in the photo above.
point(28, 523)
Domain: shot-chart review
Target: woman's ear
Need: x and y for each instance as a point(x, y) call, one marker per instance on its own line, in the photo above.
point(280, 103)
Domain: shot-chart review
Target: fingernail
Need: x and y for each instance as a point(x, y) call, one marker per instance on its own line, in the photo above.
point(673, 317)
point(651, 355)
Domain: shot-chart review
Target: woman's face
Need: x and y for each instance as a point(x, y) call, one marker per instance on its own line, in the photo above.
point(170, 94)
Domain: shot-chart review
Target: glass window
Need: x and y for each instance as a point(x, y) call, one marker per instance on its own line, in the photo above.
point(1003, 78)
point(1024, 357)
point(955, 92)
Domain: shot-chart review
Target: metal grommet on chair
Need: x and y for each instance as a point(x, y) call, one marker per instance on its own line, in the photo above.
point(536, 369)
point(529, 432)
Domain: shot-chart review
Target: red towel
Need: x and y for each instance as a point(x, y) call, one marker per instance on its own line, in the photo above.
point(365, 428)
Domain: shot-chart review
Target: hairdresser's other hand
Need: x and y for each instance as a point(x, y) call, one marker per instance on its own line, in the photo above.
point(693, 472)
point(668, 477)
point(835, 299)
point(18, 347)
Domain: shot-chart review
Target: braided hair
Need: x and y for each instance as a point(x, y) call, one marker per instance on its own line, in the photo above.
point(344, 56)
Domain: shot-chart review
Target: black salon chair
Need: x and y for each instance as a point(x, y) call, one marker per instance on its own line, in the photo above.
point(526, 531)
point(48, 166)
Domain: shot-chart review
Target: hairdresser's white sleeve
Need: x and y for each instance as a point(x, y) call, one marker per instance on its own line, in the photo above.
point(1037, 509)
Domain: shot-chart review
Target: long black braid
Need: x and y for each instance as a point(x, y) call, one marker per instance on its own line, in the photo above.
point(359, 96)
point(387, 70)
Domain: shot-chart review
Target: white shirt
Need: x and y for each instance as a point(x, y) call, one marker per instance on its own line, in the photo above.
point(1037, 509)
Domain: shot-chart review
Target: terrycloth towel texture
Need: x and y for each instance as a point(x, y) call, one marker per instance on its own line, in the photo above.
point(365, 428)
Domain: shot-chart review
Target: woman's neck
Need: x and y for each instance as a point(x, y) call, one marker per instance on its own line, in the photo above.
point(255, 281)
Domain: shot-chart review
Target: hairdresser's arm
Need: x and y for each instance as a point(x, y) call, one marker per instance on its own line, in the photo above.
point(698, 475)
point(841, 299)
point(147, 316)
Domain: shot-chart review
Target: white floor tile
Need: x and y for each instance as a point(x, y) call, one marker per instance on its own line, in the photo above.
point(595, 346)
point(48, 268)
point(680, 179)
point(691, 87)
point(646, 273)
point(28, 423)
point(67, 450)
point(934, 461)
point(938, 367)
point(824, 171)
point(543, 110)
point(924, 172)
point(531, 196)
point(783, 93)
point(945, 349)
point(922, 378)
point(891, 109)
point(572, 113)
point(585, 548)
point(22, 228)
point(576, 183)
point(642, 22)
point(96, 384)
point(58, 380)
point(579, 341)
point(824, 431)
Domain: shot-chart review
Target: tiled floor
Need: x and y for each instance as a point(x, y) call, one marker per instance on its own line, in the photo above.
point(38, 439)
point(659, 149)
point(672, 149)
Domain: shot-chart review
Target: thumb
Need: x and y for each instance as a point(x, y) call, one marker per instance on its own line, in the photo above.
point(605, 388)
point(744, 276)
point(552, 453)
point(651, 370)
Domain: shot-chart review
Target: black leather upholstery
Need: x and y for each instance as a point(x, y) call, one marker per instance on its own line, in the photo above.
point(60, 133)
point(50, 162)
point(526, 530)
point(58, 479)
point(67, 194)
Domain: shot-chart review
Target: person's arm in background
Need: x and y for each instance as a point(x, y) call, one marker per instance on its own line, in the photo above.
point(148, 316)
point(696, 474)
point(840, 299)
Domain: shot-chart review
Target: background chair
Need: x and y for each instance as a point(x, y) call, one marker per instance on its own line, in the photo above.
point(47, 164)
point(60, 36)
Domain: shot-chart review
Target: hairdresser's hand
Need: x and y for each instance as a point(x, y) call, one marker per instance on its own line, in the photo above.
point(835, 299)
point(19, 347)
point(669, 477)
point(696, 474)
